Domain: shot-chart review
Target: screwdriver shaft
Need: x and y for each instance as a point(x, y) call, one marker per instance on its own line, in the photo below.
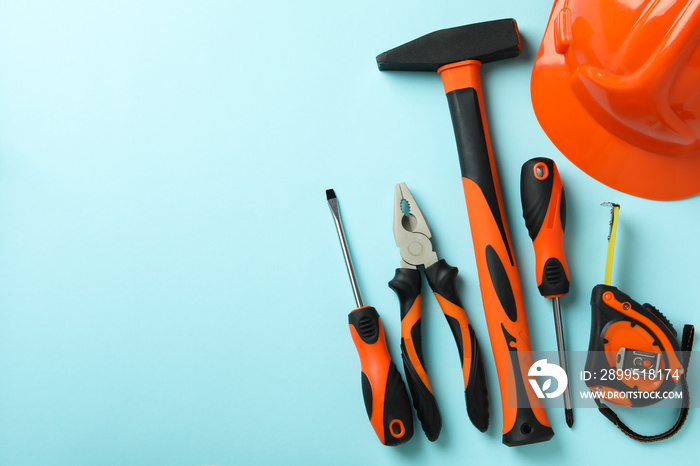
point(333, 204)
point(562, 360)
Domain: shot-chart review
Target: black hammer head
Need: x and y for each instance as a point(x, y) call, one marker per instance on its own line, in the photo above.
point(485, 42)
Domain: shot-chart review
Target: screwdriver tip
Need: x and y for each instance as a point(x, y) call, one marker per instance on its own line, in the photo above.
point(330, 194)
point(569, 417)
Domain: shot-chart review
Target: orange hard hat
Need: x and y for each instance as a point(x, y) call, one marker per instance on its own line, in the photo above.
point(616, 87)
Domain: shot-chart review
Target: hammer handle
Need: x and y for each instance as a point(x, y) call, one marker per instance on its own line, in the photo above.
point(524, 418)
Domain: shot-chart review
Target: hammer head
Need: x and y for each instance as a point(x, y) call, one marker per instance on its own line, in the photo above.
point(486, 42)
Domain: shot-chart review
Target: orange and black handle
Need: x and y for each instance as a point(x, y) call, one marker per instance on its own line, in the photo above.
point(407, 286)
point(524, 418)
point(385, 396)
point(441, 278)
point(544, 210)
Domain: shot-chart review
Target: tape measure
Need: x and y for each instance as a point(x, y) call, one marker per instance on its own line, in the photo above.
point(634, 357)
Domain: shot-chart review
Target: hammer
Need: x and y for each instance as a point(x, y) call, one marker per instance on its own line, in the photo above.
point(457, 54)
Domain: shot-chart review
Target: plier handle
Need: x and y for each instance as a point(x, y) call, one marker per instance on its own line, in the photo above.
point(412, 236)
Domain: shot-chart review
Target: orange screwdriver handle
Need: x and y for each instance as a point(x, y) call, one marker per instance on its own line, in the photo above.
point(524, 418)
point(407, 286)
point(383, 390)
point(441, 278)
point(544, 210)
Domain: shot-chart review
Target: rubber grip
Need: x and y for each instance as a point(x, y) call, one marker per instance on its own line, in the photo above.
point(384, 392)
point(544, 210)
point(524, 418)
point(441, 278)
point(407, 286)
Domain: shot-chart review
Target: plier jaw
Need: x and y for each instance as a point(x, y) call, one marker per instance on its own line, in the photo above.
point(411, 230)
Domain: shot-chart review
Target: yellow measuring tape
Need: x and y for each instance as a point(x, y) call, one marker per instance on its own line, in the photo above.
point(614, 209)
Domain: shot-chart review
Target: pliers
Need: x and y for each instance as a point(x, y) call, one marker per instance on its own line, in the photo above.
point(413, 238)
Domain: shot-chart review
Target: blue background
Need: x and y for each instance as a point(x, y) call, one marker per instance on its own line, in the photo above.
point(171, 285)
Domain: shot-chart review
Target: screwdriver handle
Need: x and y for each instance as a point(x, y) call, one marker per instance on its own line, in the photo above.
point(407, 286)
point(544, 210)
point(383, 390)
point(441, 278)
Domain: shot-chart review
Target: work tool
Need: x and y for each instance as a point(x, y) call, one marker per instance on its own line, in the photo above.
point(457, 54)
point(544, 209)
point(615, 87)
point(383, 389)
point(634, 358)
point(412, 236)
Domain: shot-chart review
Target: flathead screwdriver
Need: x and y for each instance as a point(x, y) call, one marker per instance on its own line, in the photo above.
point(384, 392)
point(544, 210)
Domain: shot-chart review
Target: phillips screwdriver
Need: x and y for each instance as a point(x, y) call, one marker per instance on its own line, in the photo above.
point(383, 389)
point(544, 210)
